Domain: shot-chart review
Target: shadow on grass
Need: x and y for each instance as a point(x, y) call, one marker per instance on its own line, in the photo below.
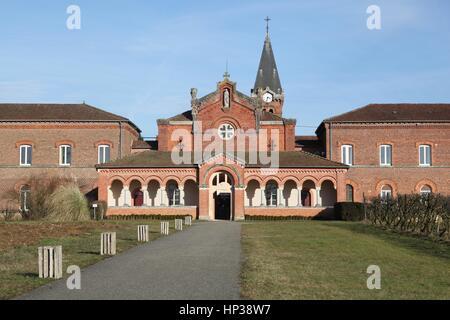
point(95, 253)
point(413, 242)
point(27, 274)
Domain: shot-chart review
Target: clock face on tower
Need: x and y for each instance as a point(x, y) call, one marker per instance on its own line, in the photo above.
point(267, 97)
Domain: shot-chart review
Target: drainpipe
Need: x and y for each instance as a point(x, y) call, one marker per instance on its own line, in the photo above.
point(331, 142)
point(120, 140)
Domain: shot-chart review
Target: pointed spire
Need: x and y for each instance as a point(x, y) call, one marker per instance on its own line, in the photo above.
point(267, 75)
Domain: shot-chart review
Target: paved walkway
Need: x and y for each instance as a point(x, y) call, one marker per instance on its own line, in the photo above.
point(202, 262)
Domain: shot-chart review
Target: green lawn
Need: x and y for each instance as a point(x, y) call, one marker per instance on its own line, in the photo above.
point(80, 242)
point(328, 260)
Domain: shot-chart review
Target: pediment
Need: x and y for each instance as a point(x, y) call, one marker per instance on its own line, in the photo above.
point(223, 158)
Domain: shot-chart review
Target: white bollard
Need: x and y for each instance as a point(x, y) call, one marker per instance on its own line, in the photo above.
point(179, 224)
point(50, 262)
point(165, 228)
point(108, 244)
point(143, 233)
point(188, 220)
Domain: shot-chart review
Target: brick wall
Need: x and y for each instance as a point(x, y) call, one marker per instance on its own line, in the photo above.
point(45, 139)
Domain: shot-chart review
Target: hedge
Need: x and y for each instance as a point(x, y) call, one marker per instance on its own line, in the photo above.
point(349, 211)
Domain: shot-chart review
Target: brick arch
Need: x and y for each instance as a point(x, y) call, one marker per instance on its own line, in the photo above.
point(104, 142)
point(219, 167)
point(64, 142)
point(151, 178)
point(268, 178)
point(423, 182)
point(295, 179)
point(114, 178)
point(19, 184)
point(356, 189)
point(25, 142)
point(168, 178)
point(138, 178)
point(187, 178)
point(226, 119)
point(256, 178)
point(329, 178)
point(381, 183)
point(354, 184)
point(313, 179)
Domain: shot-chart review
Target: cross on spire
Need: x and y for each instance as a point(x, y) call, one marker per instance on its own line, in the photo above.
point(226, 75)
point(267, 19)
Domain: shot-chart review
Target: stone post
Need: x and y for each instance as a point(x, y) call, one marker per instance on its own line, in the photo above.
point(179, 224)
point(108, 244)
point(50, 262)
point(143, 234)
point(165, 228)
point(188, 220)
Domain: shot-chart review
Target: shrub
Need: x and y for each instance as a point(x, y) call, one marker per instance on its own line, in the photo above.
point(274, 218)
point(349, 211)
point(146, 217)
point(42, 187)
point(67, 204)
point(425, 215)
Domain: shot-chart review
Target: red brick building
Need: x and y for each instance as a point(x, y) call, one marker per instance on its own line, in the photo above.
point(58, 140)
point(391, 148)
point(229, 156)
point(232, 154)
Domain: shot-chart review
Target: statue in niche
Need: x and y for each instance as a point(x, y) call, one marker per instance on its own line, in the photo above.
point(226, 99)
point(193, 93)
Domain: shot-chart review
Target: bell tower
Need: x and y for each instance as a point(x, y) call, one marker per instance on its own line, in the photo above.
point(267, 85)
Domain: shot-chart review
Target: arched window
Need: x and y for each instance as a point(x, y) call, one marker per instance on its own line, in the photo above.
point(272, 193)
point(173, 194)
point(349, 192)
point(25, 193)
point(386, 192)
point(425, 190)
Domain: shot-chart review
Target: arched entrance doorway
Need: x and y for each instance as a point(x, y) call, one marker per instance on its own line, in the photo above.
point(221, 195)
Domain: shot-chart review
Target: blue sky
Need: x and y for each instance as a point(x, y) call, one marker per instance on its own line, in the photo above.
point(140, 58)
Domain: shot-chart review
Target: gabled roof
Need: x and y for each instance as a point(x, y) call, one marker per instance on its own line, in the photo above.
point(57, 112)
point(145, 145)
point(163, 159)
point(267, 75)
point(402, 112)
